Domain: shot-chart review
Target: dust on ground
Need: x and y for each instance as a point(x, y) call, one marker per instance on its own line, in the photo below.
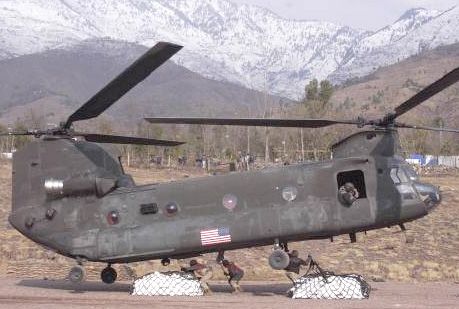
point(37, 293)
point(428, 252)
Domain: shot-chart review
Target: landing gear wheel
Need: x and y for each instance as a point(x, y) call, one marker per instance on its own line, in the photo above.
point(77, 274)
point(279, 259)
point(108, 275)
point(165, 262)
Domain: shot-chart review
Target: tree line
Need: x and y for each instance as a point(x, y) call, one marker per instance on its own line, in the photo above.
point(228, 143)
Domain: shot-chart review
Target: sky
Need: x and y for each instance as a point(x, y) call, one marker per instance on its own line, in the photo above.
point(364, 14)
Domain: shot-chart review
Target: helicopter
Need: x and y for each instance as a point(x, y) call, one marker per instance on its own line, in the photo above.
point(71, 195)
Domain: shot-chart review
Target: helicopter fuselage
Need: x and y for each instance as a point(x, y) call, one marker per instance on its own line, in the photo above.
point(70, 205)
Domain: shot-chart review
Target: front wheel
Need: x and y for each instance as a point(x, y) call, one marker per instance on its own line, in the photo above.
point(165, 262)
point(279, 259)
point(108, 275)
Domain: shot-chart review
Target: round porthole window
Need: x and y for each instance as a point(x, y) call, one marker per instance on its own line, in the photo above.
point(113, 217)
point(171, 209)
point(50, 213)
point(289, 193)
point(229, 201)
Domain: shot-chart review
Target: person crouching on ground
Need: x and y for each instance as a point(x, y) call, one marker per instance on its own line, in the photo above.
point(234, 274)
point(202, 272)
point(292, 271)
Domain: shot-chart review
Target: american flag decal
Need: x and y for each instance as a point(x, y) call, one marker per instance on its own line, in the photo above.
point(215, 236)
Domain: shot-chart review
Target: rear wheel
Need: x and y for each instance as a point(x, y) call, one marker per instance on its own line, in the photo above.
point(108, 275)
point(77, 274)
point(279, 259)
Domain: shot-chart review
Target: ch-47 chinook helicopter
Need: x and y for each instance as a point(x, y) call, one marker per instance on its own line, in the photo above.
point(71, 195)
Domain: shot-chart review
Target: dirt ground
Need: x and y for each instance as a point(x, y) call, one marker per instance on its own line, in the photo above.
point(36, 293)
point(428, 252)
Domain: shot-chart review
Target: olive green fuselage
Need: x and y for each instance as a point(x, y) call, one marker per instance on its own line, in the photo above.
point(129, 223)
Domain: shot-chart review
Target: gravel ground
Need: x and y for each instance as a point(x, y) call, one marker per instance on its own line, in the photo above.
point(35, 293)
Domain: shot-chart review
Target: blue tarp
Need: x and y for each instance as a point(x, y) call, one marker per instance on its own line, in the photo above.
point(419, 158)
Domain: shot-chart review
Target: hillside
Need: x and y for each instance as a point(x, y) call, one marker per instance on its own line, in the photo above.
point(56, 82)
point(380, 92)
point(46, 87)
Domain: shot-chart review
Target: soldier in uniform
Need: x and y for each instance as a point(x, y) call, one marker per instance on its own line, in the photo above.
point(292, 271)
point(234, 274)
point(202, 272)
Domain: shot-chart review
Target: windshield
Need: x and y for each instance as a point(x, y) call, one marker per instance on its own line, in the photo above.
point(398, 175)
point(410, 172)
point(403, 183)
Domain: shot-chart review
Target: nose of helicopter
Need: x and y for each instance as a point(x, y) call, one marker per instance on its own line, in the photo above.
point(24, 221)
point(430, 193)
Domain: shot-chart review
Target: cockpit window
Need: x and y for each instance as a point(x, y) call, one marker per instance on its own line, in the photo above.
point(393, 175)
point(410, 172)
point(398, 175)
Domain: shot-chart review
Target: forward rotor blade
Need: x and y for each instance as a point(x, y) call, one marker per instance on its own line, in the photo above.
point(115, 139)
point(428, 92)
point(402, 125)
point(124, 82)
point(23, 133)
point(256, 122)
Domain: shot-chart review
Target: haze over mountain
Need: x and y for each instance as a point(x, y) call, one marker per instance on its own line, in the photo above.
point(55, 83)
point(225, 41)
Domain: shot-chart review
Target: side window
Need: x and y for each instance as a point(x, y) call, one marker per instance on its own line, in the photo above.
point(398, 175)
point(356, 178)
point(393, 175)
point(410, 172)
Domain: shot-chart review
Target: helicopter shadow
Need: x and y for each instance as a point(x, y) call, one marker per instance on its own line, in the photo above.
point(76, 288)
point(256, 289)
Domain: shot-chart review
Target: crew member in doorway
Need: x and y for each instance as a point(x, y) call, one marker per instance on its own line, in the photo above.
point(234, 274)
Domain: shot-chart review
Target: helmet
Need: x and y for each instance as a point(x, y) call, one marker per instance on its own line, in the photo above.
point(295, 253)
point(349, 186)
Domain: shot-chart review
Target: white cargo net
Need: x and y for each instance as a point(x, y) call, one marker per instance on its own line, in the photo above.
point(167, 284)
point(319, 284)
point(331, 286)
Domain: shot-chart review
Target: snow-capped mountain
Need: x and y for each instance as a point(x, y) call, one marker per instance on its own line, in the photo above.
point(225, 41)
point(418, 30)
point(4, 54)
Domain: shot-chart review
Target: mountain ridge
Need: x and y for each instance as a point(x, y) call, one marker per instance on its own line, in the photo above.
point(54, 83)
point(242, 44)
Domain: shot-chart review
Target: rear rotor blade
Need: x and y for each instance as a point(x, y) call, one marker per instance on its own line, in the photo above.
point(124, 82)
point(428, 92)
point(115, 139)
point(286, 123)
point(407, 126)
point(21, 133)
